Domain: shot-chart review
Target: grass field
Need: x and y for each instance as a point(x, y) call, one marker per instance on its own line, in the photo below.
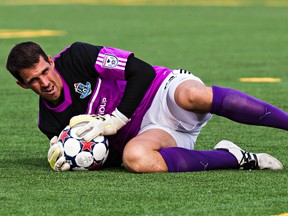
point(220, 44)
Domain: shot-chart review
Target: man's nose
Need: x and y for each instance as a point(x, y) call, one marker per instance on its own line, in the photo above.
point(44, 81)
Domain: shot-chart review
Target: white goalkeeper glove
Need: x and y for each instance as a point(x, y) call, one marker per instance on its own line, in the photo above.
point(56, 157)
point(98, 124)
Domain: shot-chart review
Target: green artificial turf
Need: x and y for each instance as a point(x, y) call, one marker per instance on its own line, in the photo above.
point(219, 44)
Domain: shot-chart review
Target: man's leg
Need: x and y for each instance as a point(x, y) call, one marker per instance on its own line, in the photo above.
point(243, 108)
point(232, 104)
point(183, 160)
point(155, 151)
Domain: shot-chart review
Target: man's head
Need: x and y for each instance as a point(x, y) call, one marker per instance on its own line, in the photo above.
point(22, 56)
point(34, 70)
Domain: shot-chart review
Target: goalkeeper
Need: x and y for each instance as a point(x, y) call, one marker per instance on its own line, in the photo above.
point(152, 115)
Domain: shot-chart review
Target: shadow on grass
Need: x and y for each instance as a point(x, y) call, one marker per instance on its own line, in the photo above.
point(41, 164)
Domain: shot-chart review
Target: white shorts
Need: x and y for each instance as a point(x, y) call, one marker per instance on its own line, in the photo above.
point(184, 126)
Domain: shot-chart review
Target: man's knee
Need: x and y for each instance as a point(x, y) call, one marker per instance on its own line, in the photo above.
point(193, 96)
point(138, 159)
point(132, 159)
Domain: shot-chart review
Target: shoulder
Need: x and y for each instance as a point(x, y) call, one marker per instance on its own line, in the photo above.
point(78, 53)
point(79, 49)
point(83, 52)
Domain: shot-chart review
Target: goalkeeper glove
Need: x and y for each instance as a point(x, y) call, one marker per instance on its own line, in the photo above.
point(98, 124)
point(56, 157)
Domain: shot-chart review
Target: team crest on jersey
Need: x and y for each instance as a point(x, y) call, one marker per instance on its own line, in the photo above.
point(83, 90)
point(109, 61)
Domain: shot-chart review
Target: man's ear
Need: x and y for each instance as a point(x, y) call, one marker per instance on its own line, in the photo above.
point(51, 61)
point(22, 85)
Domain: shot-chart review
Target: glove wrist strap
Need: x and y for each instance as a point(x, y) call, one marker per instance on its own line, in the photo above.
point(120, 115)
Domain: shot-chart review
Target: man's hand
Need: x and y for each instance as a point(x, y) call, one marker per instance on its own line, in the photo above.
point(100, 125)
point(56, 157)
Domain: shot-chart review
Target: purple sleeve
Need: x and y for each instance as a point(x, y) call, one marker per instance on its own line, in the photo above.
point(111, 63)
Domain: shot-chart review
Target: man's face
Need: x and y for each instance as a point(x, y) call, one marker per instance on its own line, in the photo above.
point(43, 80)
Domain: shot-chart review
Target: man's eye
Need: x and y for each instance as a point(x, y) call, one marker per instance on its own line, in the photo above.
point(32, 81)
point(45, 72)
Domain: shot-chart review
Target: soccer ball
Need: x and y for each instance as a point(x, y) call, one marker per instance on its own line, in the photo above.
point(83, 155)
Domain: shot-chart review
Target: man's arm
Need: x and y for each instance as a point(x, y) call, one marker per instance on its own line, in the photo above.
point(139, 76)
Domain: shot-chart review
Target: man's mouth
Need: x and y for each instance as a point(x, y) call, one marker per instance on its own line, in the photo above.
point(50, 90)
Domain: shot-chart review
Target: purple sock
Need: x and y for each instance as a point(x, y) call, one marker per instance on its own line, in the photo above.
point(185, 160)
point(243, 108)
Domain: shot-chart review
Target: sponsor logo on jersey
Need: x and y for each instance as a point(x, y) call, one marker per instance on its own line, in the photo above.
point(102, 106)
point(109, 61)
point(83, 90)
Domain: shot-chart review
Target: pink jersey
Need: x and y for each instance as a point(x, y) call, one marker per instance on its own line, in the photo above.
point(94, 82)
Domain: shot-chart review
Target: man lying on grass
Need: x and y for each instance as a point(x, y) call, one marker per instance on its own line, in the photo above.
point(152, 115)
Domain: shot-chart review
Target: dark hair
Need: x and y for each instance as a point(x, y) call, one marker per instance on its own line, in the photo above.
point(22, 56)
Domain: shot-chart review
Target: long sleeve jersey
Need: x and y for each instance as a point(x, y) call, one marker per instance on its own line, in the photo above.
point(97, 80)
